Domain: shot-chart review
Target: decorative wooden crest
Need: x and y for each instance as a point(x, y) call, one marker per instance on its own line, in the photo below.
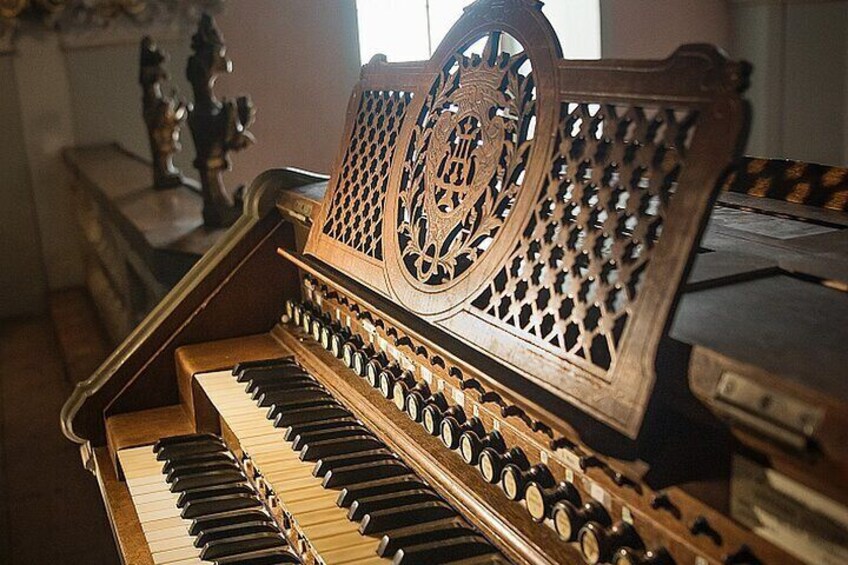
point(217, 126)
point(544, 211)
point(163, 115)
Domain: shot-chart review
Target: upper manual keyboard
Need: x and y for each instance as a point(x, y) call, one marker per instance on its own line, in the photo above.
point(352, 499)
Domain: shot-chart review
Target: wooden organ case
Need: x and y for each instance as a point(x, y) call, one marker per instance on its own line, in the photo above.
point(455, 349)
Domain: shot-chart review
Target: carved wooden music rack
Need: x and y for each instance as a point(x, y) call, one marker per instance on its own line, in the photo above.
point(543, 211)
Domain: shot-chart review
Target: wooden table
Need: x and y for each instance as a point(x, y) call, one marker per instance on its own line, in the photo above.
point(138, 241)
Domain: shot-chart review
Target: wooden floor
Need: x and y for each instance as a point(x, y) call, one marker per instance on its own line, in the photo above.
point(50, 509)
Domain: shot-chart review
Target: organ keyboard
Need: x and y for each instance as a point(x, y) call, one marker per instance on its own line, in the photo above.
point(342, 488)
point(195, 504)
point(481, 340)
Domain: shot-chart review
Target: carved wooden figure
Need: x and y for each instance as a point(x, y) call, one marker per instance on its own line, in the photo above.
point(217, 127)
point(163, 115)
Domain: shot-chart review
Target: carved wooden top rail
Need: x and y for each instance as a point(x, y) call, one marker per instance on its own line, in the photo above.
point(544, 211)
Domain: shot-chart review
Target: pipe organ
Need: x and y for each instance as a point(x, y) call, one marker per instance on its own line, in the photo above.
point(517, 324)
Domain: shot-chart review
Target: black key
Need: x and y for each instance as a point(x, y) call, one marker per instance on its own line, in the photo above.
point(378, 486)
point(257, 385)
point(203, 458)
point(210, 492)
point(313, 414)
point(296, 429)
point(333, 433)
point(276, 556)
point(342, 476)
point(419, 533)
point(199, 468)
point(315, 450)
point(210, 479)
point(443, 551)
point(327, 464)
point(381, 521)
point(242, 544)
point(226, 518)
point(279, 410)
point(219, 504)
point(262, 394)
point(275, 371)
point(183, 450)
point(185, 441)
point(187, 438)
point(268, 380)
point(279, 369)
point(265, 399)
point(240, 368)
point(256, 363)
point(284, 398)
point(234, 531)
point(364, 505)
point(291, 397)
point(307, 391)
point(490, 559)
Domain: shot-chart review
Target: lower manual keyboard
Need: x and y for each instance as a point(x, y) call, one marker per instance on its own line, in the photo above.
point(196, 505)
point(353, 499)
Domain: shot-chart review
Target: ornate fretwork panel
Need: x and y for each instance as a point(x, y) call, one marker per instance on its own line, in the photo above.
point(466, 159)
point(576, 272)
point(543, 212)
point(356, 217)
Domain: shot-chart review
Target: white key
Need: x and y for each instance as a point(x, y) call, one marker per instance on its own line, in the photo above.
point(166, 532)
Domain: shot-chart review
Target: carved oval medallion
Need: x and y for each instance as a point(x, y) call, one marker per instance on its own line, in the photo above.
point(465, 160)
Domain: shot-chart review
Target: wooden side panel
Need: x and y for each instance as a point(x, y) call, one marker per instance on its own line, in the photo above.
point(237, 306)
point(229, 292)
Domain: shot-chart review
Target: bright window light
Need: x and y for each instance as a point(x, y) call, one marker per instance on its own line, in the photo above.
point(410, 30)
point(578, 25)
point(395, 28)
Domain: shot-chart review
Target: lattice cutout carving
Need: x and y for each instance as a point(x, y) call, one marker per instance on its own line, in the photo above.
point(356, 217)
point(466, 159)
point(574, 276)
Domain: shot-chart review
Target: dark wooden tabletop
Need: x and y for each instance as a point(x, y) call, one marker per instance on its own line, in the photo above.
point(769, 289)
point(163, 226)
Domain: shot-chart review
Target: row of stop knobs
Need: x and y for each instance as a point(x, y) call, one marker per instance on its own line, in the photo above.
point(587, 524)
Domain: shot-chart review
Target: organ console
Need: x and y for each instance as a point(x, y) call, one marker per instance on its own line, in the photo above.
point(501, 332)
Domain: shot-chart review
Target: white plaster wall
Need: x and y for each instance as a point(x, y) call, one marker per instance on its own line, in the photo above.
point(758, 38)
point(577, 24)
point(799, 86)
point(299, 60)
point(45, 111)
point(22, 279)
point(653, 29)
point(814, 99)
